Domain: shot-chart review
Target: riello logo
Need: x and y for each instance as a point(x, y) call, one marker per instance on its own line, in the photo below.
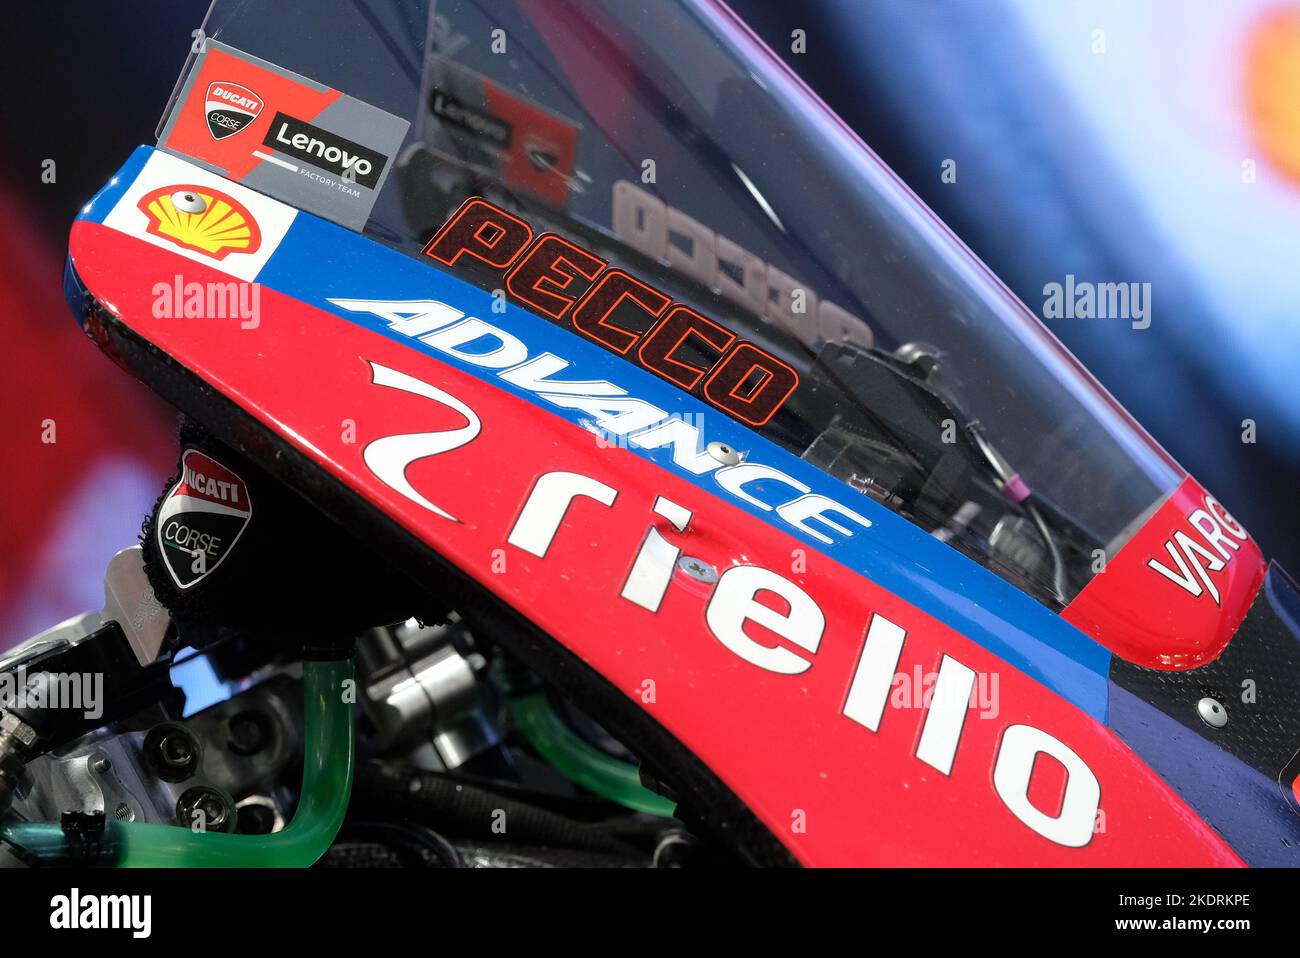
point(229, 107)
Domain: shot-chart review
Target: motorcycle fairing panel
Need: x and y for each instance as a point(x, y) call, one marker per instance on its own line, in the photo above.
point(838, 638)
point(472, 459)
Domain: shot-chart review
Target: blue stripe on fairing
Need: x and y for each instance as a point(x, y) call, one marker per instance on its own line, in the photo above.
point(318, 260)
point(103, 202)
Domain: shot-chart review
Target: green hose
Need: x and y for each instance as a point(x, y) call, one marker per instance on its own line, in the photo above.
point(576, 760)
point(330, 752)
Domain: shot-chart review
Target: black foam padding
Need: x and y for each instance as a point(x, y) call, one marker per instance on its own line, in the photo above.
point(292, 574)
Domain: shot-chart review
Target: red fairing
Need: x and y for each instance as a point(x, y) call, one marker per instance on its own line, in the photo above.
point(1176, 592)
point(832, 737)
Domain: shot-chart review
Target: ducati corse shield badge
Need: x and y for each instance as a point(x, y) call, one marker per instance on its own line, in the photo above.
point(229, 108)
point(201, 518)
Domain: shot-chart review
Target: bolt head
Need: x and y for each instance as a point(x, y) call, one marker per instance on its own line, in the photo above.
point(724, 453)
point(11, 724)
point(204, 806)
point(187, 201)
point(176, 750)
point(1212, 713)
point(697, 569)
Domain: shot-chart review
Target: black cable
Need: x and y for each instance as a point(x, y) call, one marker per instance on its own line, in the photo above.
point(464, 808)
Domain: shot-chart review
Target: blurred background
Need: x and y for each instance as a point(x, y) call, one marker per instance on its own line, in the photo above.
point(1115, 141)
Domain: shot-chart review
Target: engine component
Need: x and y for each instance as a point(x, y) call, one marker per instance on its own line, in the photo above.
point(204, 808)
point(129, 601)
point(419, 686)
point(171, 752)
point(326, 785)
point(137, 769)
point(16, 738)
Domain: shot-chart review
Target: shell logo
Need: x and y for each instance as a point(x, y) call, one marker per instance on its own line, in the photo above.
point(202, 219)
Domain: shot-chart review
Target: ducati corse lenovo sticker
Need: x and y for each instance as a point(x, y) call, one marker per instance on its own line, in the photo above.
point(284, 135)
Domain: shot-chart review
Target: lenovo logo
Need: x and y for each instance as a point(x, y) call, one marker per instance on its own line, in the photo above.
point(325, 150)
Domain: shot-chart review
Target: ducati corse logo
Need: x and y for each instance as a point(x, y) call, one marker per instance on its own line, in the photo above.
point(201, 518)
point(229, 107)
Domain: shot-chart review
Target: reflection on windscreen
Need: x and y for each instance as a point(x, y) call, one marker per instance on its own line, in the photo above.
point(707, 195)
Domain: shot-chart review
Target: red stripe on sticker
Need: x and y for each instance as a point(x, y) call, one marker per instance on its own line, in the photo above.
point(202, 477)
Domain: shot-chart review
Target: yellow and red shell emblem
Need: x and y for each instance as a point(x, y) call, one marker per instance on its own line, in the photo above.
point(202, 219)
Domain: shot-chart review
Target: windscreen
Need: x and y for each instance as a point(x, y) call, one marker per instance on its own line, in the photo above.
point(767, 261)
